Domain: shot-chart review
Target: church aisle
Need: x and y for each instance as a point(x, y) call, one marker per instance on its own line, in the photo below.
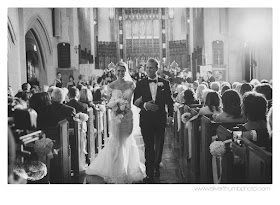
point(171, 172)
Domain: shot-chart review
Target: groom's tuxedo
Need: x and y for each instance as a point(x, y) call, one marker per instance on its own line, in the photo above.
point(153, 123)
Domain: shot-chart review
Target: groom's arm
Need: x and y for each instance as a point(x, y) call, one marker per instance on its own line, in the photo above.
point(169, 100)
point(138, 94)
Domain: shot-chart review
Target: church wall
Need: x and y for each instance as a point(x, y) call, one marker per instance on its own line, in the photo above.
point(250, 25)
point(214, 29)
point(198, 27)
point(104, 24)
point(179, 24)
point(14, 65)
point(45, 15)
point(84, 28)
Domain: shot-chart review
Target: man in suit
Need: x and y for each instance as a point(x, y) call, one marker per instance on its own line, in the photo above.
point(74, 97)
point(210, 78)
point(57, 111)
point(155, 94)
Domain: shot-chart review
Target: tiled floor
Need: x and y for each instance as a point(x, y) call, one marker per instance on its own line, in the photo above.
point(175, 169)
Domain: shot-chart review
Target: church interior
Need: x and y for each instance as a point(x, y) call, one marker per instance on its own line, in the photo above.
point(219, 50)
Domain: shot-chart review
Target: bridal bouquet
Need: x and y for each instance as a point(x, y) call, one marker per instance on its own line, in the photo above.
point(119, 106)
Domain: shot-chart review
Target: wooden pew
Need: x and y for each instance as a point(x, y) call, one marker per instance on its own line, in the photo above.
point(90, 136)
point(208, 129)
point(227, 159)
point(187, 147)
point(195, 145)
point(74, 141)
point(60, 172)
point(258, 164)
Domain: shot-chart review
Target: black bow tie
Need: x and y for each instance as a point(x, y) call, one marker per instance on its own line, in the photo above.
point(152, 81)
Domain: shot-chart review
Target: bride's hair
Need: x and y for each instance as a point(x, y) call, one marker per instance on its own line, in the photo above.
point(127, 76)
point(122, 64)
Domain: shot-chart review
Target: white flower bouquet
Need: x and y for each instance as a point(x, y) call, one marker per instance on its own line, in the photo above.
point(119, 106)
point(217, 148)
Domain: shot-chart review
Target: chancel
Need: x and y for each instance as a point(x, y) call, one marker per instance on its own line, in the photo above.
point(140, 95)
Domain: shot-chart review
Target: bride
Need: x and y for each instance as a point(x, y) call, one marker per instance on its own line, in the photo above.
point(119, 161)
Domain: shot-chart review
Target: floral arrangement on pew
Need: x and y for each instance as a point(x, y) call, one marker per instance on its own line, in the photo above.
point(83, 118)
point(217, 150)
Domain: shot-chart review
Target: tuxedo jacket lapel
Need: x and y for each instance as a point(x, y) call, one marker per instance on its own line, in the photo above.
point(159, 88)
point(148, 90)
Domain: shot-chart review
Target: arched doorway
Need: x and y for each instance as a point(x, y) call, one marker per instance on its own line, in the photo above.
point(35, 71)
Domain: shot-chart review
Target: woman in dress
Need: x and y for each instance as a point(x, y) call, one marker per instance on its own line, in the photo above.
point(71, 82)
point(119, 160)
point(231, 101)
point(58, 81)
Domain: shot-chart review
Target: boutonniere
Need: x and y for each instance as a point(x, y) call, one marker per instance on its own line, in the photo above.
point(160, 84)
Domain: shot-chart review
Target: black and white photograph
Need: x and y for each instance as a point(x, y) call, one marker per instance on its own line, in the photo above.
point(140, 96)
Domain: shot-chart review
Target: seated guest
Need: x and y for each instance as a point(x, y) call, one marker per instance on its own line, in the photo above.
point(238, 87)
point(74, 100)
point(225, 84)
point(195, 85)
point(199, 90)
point(204, 94)
point(24, 95)
point(205, 83)
point(45, 88)
point(57, 111)
point(35, 89)
point(255, 107)
point(211, 105)
point(71, 82)
point(234, 84)
point(266, 90)
point(264, 81)
point(39, 101)
point(26, 87)
point(96, 94)
point(224, 89)
point(255, 110)
point(245, 87)
point(231, 108)
point(86, 97)
point(215, 86)
point(180, 93)
point(254, 82)
point(81, 82)
point(189, 97)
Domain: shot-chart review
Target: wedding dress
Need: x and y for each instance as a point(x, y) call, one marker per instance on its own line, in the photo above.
point(119, 161)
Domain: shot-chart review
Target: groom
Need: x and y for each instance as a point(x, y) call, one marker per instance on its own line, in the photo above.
point(155, 94)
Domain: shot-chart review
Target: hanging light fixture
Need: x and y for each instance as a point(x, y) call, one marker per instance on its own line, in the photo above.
point(112, 14)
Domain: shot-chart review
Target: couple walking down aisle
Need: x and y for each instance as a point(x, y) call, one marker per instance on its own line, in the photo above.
point(119, 161)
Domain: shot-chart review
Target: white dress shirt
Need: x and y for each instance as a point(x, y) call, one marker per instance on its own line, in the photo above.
point(153, 88)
